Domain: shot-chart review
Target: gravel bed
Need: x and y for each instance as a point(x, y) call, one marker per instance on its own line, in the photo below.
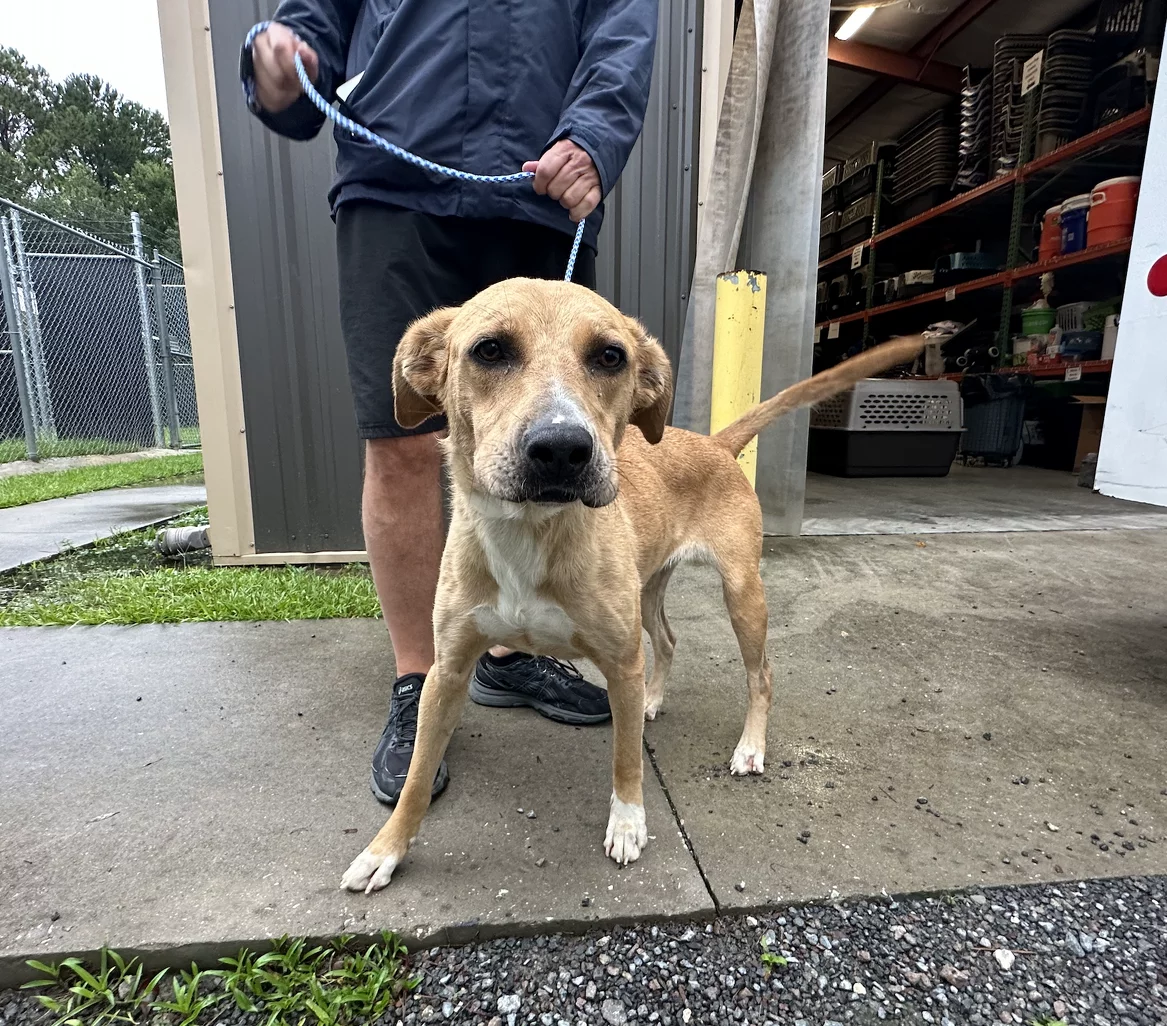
point(1092, 952)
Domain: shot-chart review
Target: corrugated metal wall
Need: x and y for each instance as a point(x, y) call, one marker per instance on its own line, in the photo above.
point(303, 451)
point(646, 251)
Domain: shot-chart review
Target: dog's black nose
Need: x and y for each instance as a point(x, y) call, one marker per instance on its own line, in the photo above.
point(559, 452)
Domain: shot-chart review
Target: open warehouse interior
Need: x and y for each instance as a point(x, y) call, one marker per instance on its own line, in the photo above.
point(983, 164)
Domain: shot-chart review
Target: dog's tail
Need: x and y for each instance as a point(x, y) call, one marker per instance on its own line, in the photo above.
point(736, 436)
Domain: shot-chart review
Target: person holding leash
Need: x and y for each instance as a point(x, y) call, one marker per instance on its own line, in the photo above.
point(554, 87)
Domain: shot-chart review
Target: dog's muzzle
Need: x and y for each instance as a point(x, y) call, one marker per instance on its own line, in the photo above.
point(560, 464)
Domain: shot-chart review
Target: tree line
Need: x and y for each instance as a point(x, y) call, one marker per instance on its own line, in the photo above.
point(81, 152)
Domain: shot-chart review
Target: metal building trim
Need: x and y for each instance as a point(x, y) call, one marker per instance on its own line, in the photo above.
point(202, 215)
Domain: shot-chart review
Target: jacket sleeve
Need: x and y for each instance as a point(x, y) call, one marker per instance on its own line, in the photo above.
point(605, 106)
point(327, 27)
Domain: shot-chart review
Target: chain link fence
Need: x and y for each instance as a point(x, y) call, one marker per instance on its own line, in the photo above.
point(95, 352)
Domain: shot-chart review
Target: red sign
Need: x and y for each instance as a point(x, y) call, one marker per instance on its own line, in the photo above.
point(1157, 278)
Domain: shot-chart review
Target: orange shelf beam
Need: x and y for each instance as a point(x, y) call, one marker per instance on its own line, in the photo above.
point(1070, 151)
point(1107, 249)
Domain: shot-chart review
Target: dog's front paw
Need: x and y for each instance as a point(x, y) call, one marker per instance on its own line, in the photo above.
point(747, 760)
point(369, 872)
point(627, 832)
point(651, 708)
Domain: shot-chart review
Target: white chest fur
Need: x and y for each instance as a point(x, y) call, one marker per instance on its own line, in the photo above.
point(518, 564)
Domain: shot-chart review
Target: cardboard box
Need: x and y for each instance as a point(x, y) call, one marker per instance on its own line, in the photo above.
point(1090, 433)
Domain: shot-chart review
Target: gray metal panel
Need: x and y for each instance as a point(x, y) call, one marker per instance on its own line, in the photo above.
point(647, 246)
point(303, 450)
point(302, 445)
point(780, 237)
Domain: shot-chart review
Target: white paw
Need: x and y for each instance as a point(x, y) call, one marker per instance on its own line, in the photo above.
point(369, 872)
point(747, 760)
point(627, 832)
point(652, 708)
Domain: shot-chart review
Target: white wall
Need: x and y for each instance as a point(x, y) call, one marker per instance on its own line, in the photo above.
point(716, 50)
point(1132, 461)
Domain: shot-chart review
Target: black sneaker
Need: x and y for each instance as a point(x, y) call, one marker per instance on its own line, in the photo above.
point(395, 749)
point(556, 689)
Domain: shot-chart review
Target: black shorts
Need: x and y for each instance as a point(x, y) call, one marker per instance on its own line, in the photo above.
point(397, 265)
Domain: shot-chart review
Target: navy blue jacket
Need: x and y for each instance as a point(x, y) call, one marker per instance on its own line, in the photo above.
point(480, 85)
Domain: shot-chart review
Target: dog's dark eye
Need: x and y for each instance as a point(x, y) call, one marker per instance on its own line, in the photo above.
point(610, 358)
point(489, 350)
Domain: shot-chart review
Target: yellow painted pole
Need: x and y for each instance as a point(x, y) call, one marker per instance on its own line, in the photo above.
point(740, 322)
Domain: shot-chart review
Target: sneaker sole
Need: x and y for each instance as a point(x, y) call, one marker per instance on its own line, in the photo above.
point(509, 700)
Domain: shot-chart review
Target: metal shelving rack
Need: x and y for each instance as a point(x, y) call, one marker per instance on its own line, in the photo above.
point(1015, 270)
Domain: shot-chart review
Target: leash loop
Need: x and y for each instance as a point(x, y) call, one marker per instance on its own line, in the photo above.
point(361, 132)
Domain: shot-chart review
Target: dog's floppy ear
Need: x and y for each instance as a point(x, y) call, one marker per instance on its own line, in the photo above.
point(419, 369)
point(653, 397)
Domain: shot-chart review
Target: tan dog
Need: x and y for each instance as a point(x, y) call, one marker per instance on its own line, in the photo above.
point(567, 524)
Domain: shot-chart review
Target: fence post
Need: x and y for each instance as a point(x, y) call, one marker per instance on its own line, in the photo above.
point(15, 340)
point(147, 331)
point(167, 360)
point(36, 349)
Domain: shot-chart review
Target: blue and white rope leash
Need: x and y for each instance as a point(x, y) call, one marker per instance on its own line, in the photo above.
point(361, 132)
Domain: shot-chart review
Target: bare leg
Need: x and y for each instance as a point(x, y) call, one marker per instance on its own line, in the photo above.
point(627, 832)
point(402, 514)
point(664, 641)
point(442, 699)
point(746, 600)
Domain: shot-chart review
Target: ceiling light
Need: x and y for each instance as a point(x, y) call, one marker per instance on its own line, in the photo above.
point(855, 22)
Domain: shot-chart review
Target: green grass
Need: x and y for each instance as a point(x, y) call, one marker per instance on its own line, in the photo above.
point(123, 580)
point(197, 594)
point(14, 448)
point(54, 484)
point(333, 984)
point(770, 960)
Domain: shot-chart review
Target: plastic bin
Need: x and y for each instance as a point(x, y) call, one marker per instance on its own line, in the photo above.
point(1072, 316)
point(1080, 345)
point(1037, 320)
point(994, 414)
point(1110, 337)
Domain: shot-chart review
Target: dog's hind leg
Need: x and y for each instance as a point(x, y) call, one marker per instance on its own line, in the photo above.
point(664, 641)
point(745, 598)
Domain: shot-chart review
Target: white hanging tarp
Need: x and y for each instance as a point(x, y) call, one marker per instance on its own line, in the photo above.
point(1132, 461)
point(720, 227)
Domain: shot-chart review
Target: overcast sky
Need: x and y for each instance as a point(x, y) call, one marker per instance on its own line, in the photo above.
point(115, 39)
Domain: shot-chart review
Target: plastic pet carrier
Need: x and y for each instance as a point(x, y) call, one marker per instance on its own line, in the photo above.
point(994, 415)
point(887, 428)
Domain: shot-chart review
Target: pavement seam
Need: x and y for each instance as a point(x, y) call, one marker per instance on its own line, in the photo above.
point(681, 828)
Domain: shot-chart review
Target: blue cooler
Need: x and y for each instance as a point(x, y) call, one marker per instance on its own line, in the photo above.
point(1073, 222)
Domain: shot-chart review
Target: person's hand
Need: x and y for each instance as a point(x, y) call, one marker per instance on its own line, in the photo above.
point(566, 174)
point(272, 55)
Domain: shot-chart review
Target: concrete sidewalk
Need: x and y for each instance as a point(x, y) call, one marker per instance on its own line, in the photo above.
point(43, 529)
point(969, 500)
point(193, 788)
